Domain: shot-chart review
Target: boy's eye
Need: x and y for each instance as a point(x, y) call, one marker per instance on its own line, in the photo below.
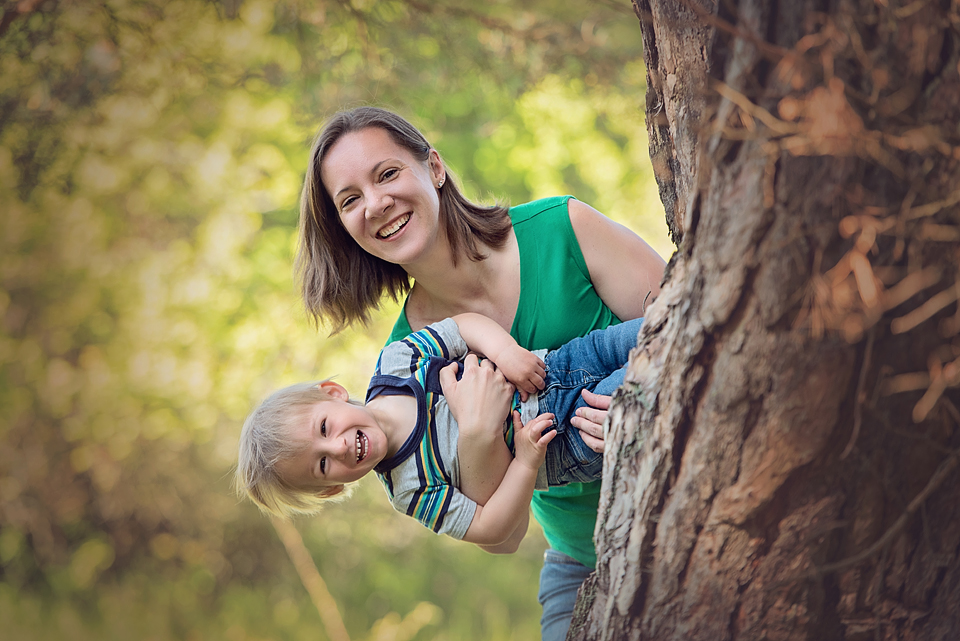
point(323, 428)
point(323, 465)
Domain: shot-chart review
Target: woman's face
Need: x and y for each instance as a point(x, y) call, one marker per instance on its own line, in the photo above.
point(387, 199)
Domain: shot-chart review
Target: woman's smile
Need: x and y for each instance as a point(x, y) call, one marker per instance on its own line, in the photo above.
point(394, 227)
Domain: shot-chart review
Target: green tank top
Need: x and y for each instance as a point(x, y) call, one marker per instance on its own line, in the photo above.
point(557, 304)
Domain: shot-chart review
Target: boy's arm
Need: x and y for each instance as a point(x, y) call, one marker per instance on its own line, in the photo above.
point(512, 544)
point(520, 366)
point(495, 523)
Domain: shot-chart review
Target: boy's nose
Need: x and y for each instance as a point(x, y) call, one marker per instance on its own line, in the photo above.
point(345, 449)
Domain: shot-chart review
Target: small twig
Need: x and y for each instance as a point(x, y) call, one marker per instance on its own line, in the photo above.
point(858, 399)
point(910, 382)
point(778, 126)
point(769, 49)
point(939, 476)
point(912, 284)
point(940, 379)
point(311, 579)
point(932, 306)
point(929, 209)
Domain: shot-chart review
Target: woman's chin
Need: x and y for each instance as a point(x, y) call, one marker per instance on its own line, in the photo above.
point(399, 250)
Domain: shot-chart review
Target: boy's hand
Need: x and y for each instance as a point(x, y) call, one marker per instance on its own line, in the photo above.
point(530, 441)
point(523, 369)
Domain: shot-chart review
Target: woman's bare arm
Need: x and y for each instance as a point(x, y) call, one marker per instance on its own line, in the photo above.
point(479, 402)
point(624, 269)
point(610, 251)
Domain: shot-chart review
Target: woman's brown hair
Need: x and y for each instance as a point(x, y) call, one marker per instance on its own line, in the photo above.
point(340, 282)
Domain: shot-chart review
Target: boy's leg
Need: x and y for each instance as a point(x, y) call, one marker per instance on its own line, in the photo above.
point(601, 352)
point(594, 362)
point(569, 459)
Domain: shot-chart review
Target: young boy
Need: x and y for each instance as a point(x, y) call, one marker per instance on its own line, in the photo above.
point(305, 442)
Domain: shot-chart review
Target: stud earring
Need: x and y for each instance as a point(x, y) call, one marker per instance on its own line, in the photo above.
point(440, 184)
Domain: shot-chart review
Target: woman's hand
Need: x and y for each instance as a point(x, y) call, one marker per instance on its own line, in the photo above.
point(480, 401)
point(589, 420)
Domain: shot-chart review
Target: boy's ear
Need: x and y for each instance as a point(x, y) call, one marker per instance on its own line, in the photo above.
point(336, 390)
point(331, 491)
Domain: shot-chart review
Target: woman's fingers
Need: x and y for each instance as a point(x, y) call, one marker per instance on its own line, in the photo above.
point(450, 370)
point(599, 401)
point(595, 444)
point(589, 420)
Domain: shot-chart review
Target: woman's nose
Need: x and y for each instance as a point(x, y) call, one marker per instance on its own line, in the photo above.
point(379, 205)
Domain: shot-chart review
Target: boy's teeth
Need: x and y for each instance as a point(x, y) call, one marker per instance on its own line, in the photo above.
point(361, 446)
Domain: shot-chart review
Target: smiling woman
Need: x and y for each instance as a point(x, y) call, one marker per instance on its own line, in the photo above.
point(379, 209)
point(385, 196)
point(379, 169)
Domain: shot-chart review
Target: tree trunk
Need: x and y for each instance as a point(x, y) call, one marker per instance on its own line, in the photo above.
point(782, 462)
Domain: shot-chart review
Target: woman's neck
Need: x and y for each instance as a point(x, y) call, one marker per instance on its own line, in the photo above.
point(490, 286)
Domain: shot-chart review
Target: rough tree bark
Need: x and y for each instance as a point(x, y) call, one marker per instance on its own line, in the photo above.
point(782, 463)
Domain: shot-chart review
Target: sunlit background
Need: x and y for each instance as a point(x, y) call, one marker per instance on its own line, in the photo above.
point(151, 156)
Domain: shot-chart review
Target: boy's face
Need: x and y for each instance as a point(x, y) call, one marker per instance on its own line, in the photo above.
point(341, 443)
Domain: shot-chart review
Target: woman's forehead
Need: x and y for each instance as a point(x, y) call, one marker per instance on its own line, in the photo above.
point(358, 153)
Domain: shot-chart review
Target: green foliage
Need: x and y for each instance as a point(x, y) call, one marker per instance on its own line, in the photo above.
point(151, 155)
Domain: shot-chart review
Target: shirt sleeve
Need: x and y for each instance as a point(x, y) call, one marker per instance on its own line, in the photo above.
point(402, 358)
point(442, 508)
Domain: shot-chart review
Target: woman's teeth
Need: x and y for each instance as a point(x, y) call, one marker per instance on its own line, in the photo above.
point(386, 232)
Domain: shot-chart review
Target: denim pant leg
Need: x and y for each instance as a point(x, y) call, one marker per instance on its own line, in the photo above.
point(560, 579)
point(596, 363)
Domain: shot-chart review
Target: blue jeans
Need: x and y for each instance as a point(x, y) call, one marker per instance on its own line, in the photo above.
point(560, 579)
point(595, 362)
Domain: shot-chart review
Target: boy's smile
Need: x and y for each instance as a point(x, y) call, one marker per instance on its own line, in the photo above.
point(338, 443)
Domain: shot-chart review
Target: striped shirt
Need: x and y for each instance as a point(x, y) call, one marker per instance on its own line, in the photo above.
point(422, 478)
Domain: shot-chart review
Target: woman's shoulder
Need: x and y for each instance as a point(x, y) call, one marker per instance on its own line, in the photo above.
point(556, 205)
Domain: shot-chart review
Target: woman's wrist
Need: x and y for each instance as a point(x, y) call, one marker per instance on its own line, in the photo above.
point(479, 433)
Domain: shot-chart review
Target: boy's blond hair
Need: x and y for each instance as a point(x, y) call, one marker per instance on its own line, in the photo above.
point(265, 441)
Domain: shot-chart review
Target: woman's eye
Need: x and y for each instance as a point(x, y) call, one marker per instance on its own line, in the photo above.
point(390, 173)
point(349, 200)
point(323, 465)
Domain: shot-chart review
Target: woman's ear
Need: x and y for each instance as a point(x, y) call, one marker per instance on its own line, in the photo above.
point(437, 171)
point(336, 390)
